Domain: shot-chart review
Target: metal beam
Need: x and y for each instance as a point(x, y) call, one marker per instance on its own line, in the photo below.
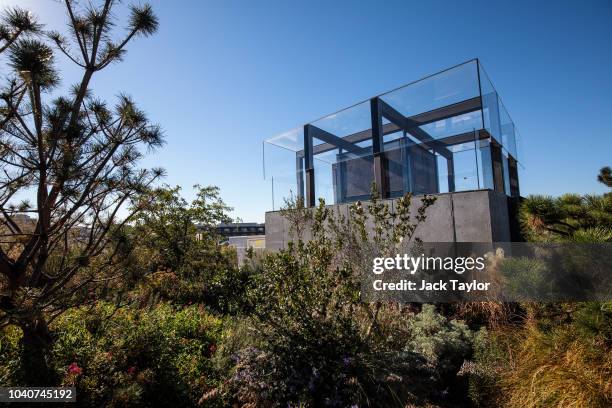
point(445, 112)
point(309, 200)
point(334, 140)
point(378, 151)
point(413, 128)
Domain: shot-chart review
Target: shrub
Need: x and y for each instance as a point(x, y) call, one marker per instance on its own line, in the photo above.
point(368, 377)
point(220, 285)
point(9, 355)
point(130, 357)
point(320, 345)
point(444, 343)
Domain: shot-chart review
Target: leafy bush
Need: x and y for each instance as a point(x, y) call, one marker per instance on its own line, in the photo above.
point(368, 377)
point(9, 355)
point(319, 344)
point(444, 343)
point(187, 262)
point(128, 357)
point(220, 285)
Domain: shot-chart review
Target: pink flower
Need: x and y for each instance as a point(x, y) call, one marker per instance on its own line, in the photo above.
point(74, 369)
point(131, 370)
point(212, 348)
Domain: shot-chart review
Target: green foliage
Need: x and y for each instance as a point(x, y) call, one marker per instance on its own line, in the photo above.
point(188, 262)
point(445, 343)
point(605, 176)
point(366, 378)
point(526, 278)
point(10, 337)
point(78, 156)
point(16, 21)
point(171, 226)
point(320, 345)
point(35, 58)
point(492, 352)
point(561, 354)
point(594, 320)
point(130, 357)
point(566, 218)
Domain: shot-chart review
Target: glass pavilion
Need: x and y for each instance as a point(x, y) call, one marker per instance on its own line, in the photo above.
point(444, 133)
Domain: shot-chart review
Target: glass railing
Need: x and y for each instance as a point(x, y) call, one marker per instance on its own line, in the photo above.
point(497, 120)
point(445, 88)
point(283, 171)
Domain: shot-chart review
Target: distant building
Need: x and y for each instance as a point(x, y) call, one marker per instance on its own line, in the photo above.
point(242, 236)
point(235, 229)
point(243, 243)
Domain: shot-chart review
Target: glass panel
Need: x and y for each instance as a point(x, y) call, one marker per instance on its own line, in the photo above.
point(348, 179)
point(324, 181)
point(283, 173)
point(454, 126)
point(465, 167)
point(507, 130)
point(517, 141)
point(443, 174)
point(411, 168)
point(343, 174)
point(347, 121)
point(342, 152)
point(291, 140)
point(490, 105)
point(418, 168)
point(485, 165)
point(398, 177)
point(393, 135)
point(445, 88)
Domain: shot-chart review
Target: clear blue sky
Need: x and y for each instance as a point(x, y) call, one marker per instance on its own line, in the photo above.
point(221, 76)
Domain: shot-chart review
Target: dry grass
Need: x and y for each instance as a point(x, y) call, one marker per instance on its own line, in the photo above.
point(494, 314)
point(557, 370)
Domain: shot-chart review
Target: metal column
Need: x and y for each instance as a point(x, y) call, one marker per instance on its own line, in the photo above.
point(380, 162)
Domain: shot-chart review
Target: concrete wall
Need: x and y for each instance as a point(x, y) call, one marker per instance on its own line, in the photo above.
point(243, 242)
point(469, 216)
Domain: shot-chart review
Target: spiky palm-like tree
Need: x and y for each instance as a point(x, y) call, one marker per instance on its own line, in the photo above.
point(605, 176)
point(14, 23)
point(77, 156)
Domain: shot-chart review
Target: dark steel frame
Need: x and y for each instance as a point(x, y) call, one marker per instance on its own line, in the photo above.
point(379, 109)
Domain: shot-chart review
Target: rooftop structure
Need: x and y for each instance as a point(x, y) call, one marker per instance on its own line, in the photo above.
point(448, 132)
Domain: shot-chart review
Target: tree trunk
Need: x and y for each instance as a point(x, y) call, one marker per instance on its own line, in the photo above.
point(35, 348)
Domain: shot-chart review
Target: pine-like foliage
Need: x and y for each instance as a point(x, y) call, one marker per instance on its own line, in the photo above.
point(77, 157)
point(570, 217)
